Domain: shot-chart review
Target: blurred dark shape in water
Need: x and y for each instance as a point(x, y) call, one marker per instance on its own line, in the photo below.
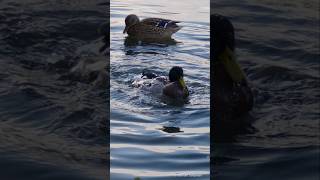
point(54, 103)
point(104, 30)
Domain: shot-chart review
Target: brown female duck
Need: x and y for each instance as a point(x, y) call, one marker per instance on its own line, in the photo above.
point(150, 28)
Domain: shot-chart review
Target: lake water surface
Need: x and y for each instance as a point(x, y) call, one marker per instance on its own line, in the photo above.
point(53, 81)
point(278, 47)
point(141, 144)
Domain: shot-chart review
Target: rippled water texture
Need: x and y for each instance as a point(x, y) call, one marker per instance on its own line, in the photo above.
point(53, 94)
point(149, 138)
point(278, 47)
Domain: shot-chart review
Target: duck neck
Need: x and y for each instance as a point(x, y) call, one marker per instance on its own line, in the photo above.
point(183, 86)
point(233, 69)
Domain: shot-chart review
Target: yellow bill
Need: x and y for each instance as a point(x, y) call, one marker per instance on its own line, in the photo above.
point(231, 65)
point(183, 84)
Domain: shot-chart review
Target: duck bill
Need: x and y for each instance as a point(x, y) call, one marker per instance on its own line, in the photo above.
point(184, 87)
point(232, 67)
point(182, 83)
point(125, 30)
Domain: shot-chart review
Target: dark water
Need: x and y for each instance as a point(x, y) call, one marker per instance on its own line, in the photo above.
point(150, 138)
point(278, 47)
point(53, 94)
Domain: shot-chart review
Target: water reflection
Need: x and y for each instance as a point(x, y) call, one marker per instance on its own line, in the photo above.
point(133, 41)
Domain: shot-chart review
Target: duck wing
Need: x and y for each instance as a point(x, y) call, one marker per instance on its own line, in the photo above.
point(160, 23)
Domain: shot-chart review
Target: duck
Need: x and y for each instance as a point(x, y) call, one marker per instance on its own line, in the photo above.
point(150, 28)
point(176, 87)
point(232, 94)
point(173, 86)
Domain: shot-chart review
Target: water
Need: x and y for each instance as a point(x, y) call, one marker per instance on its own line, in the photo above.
point(278, 47)
point(53, 106)
point(142, 145)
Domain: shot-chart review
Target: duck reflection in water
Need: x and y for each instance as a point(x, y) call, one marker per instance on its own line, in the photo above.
point(134, 41)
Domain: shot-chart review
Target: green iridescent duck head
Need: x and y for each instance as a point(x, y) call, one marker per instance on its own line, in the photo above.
point(176, 75)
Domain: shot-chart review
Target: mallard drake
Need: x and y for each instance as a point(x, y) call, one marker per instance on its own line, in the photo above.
point(150, 28)
point(172, 86)
point(232, 96)
point(176, 88)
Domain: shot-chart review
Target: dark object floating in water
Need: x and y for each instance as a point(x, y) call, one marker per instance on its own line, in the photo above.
point(170, 129)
